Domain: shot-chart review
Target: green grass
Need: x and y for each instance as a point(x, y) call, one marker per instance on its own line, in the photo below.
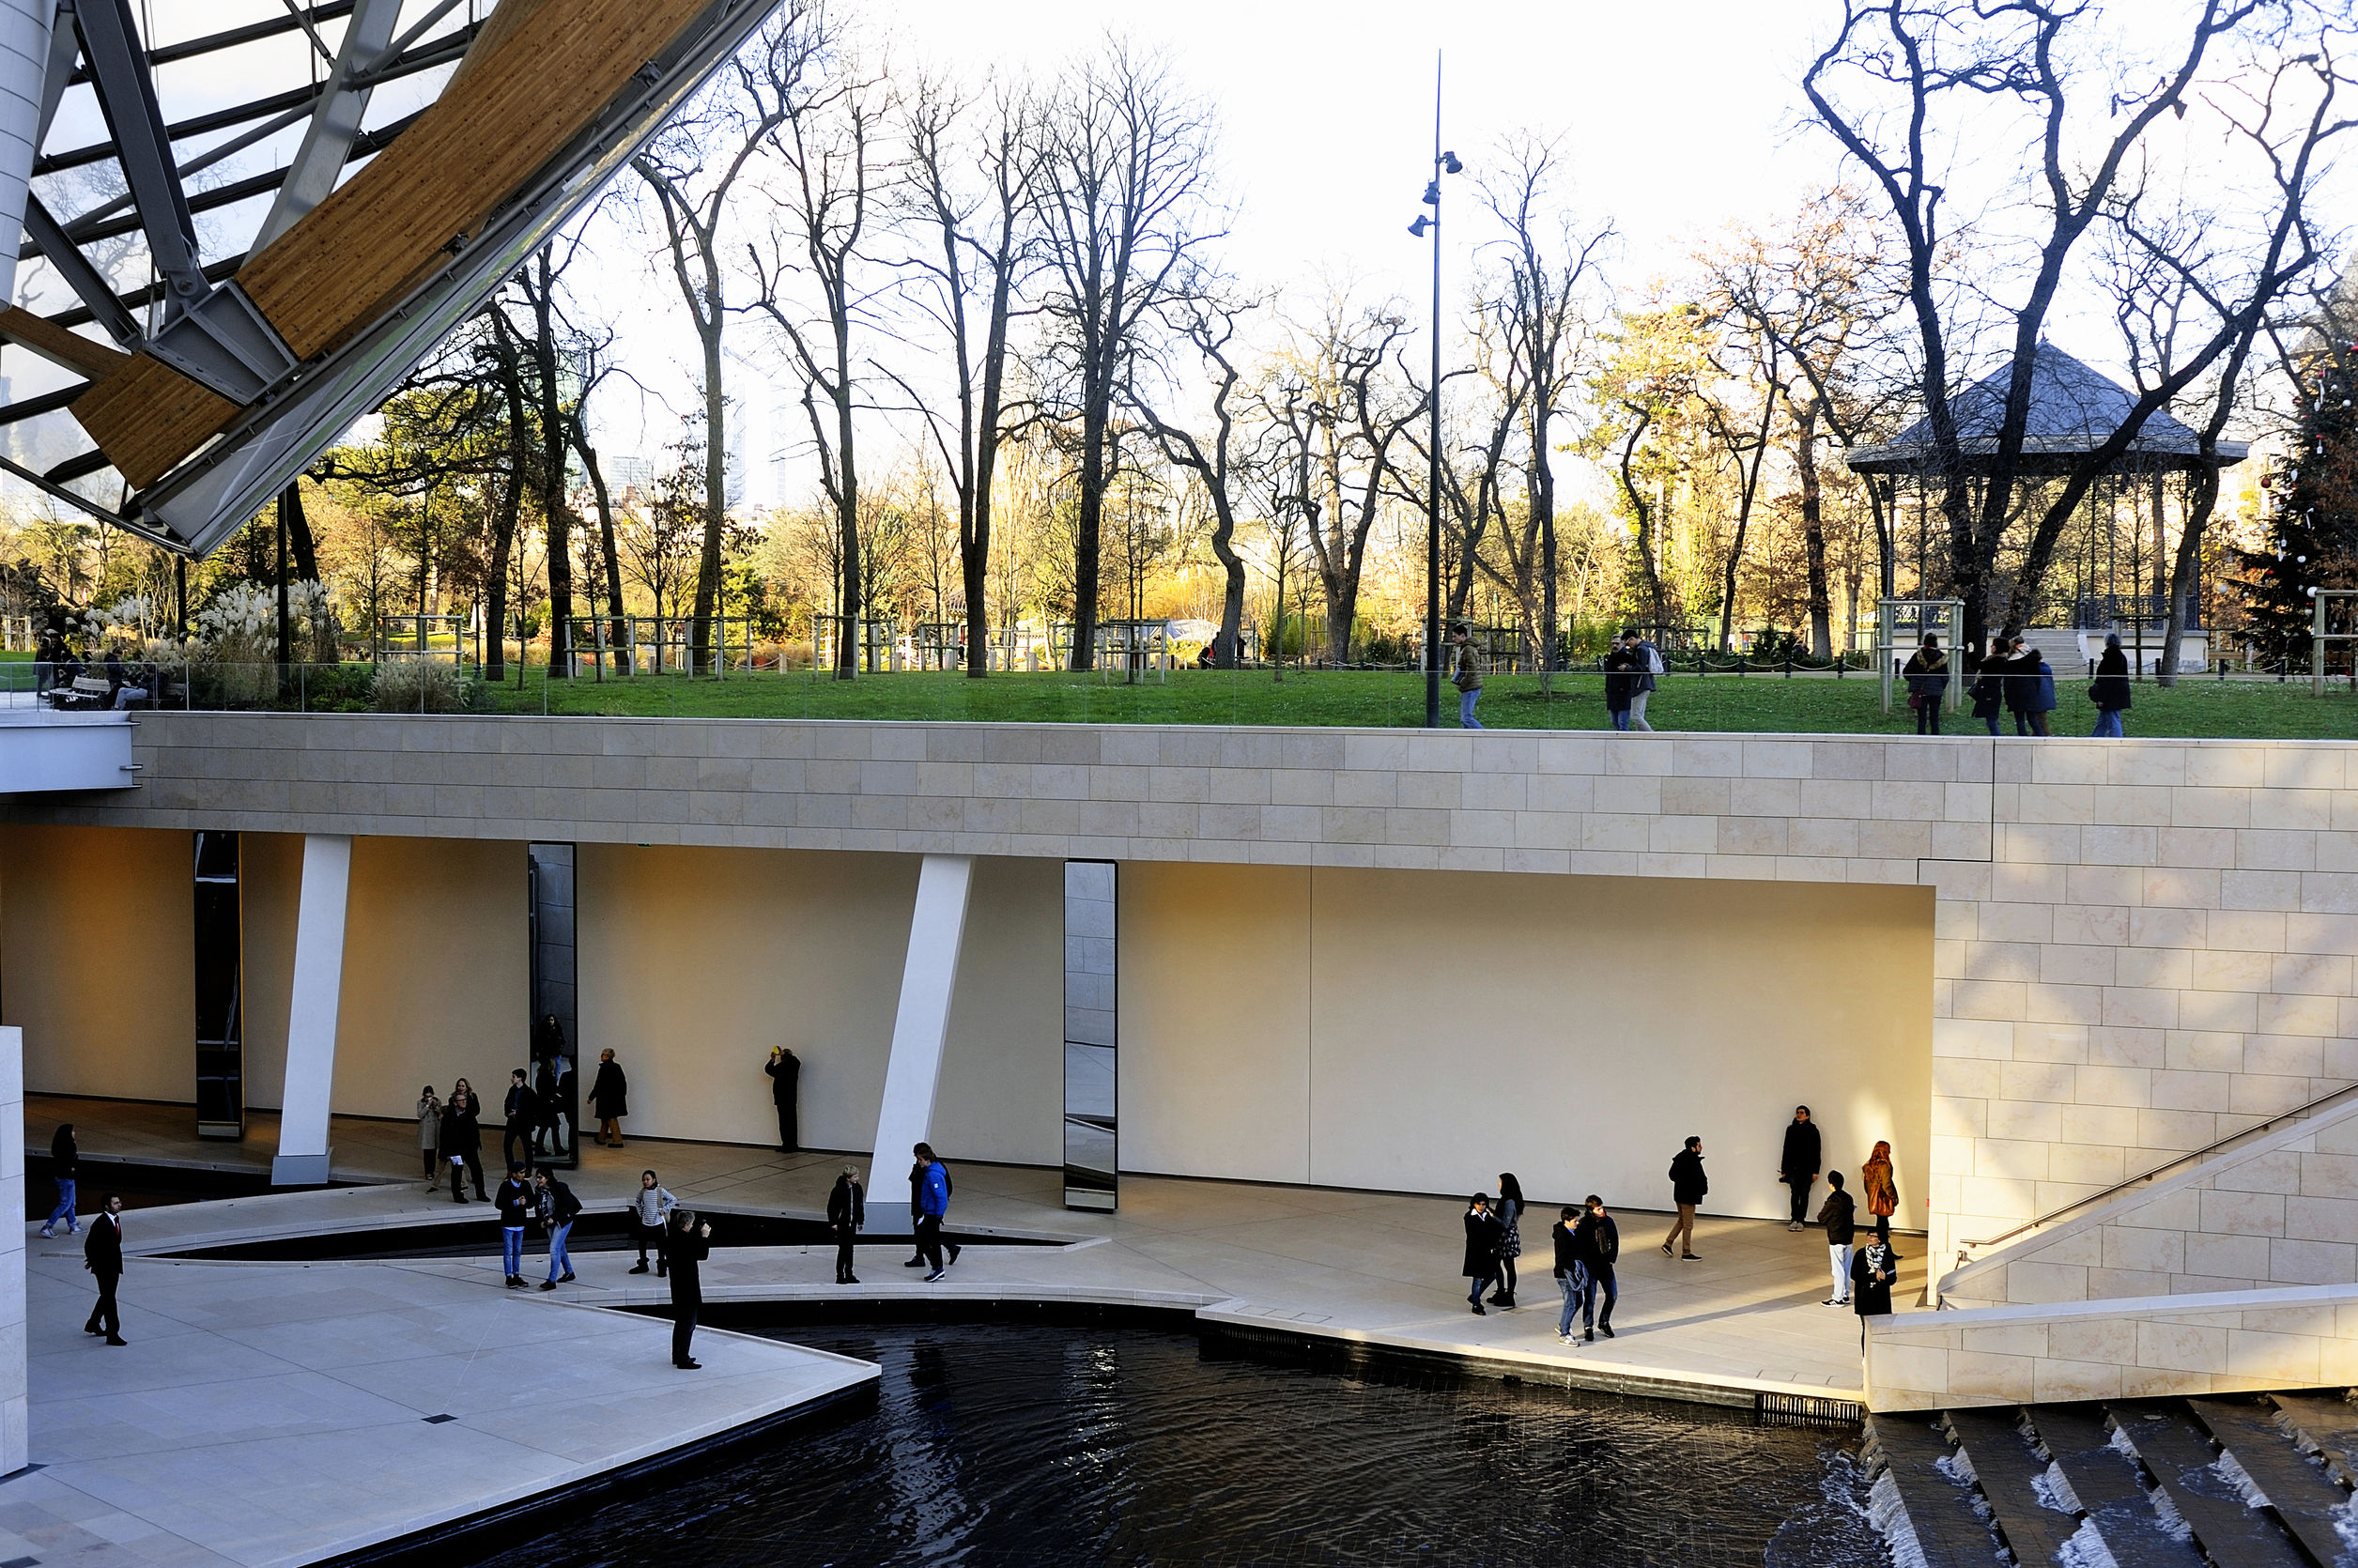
point(1758, 703)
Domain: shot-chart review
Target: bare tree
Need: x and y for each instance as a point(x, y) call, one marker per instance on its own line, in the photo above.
point(1211, 326)
point(825, 143)
point(982, 244)
point(692, 169)
point(1123, 191)
point(1905, 61)
point(1544, 312)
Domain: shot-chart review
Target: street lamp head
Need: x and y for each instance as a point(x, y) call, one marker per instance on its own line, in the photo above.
point(1419, 227)
point(1451, 165)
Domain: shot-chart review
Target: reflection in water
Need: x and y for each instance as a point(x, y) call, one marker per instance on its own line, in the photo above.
point(999, 1446)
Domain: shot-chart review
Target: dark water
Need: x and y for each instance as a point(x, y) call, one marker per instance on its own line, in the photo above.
point(999, 1446)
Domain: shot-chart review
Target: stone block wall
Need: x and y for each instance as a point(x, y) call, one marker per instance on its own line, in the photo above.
point(2284, 1338)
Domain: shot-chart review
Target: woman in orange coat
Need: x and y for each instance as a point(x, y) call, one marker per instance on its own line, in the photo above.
point(1882, 1194)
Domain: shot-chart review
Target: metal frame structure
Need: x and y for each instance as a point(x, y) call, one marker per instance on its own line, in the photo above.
point(1888, 613)
point(2320, 636)
point(195, 319)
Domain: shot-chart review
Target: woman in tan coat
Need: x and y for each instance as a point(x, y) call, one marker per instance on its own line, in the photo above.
point(1883, 1193)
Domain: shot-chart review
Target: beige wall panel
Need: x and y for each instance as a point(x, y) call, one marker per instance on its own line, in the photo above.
point(270, 888)
point(1002, 1089)
point(1575, 1029)
point(1215, 1020)
point(436, 971)
point(695, 961)
point(97, 927)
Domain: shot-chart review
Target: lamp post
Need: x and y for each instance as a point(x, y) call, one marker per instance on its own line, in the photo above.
point(1429, 224)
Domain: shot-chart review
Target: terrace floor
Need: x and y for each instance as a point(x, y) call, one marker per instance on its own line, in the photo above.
point(1374, 1268)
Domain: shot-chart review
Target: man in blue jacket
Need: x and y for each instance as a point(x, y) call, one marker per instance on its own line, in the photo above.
point(933, 1203)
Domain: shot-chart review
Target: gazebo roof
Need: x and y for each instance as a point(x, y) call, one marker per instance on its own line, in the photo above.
point(2074, 410)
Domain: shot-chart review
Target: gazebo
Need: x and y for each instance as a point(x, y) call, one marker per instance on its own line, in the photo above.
point(2119, 575)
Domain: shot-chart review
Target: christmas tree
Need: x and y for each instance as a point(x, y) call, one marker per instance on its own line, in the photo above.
point(2311, 522)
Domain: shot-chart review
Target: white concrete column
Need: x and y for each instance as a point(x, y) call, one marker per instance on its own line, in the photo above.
point(311, 1013)
point(915, 1071)
point(15, 1442)
point(23, 64)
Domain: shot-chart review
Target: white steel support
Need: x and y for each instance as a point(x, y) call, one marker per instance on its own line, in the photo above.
point(313, 172)
point(15, 1448)
point(311, 1013)
point(24, 67)
point(913, 1074)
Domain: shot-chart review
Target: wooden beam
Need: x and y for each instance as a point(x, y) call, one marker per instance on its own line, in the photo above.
point(60, 346)
point(528, 90)
point(146, 416)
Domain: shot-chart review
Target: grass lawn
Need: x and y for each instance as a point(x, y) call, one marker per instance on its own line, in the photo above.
point(1762, 704)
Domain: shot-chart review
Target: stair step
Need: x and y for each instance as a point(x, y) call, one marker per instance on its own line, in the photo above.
point(2229, 1531)
point(2106, 1480)
point(2331, 1426)
point(2010, 1474)
point(2306, 1504)
point(1949, 1531)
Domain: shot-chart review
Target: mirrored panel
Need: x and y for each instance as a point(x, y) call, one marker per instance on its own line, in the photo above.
point(555, 1082)
point(1091, 1034)
point(220, 1092)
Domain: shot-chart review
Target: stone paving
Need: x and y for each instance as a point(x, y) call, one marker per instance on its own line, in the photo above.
point(1372, 1266)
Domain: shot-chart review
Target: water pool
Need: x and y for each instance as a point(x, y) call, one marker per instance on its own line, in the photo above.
point(1093, 1447)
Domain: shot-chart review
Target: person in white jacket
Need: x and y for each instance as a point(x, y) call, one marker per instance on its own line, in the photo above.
point(651, 1209)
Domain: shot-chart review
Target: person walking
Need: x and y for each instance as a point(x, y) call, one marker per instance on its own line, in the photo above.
point(932, 1208)
point(1882, 1191)
point(916, 1206)
point(847, 1212)
point(1596, 1247)
point(559, 1208)
point(430, 1135)
point(522, 1120)
point(785, 1071)
point(516, 1203)
point(687, 1244)
point(1481, 1263)
point(1797, 1166)
point(1841, 1218)
point(1466, 674)
point(1687, 1186)
point(462, 1143)
point(1509, 1211)
point(651, 1209)
point(1988, 690)
point(1646, 663)
point(1620, 686)
point(609, 1099)
point(65, 1167)
point(2029, 687)
point(102, 1254)
point(1564, 1233)
point(1927, 674)
point(2111, 690)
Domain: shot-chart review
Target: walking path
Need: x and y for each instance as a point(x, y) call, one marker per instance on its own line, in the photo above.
point(271, 1413)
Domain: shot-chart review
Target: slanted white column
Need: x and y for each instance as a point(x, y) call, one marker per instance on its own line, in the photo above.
point(919, 1029)
point(311, 1014)
point(15, 1446)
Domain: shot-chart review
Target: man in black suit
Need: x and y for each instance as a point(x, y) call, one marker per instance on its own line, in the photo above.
point(686, 1248)
point(102, 1254)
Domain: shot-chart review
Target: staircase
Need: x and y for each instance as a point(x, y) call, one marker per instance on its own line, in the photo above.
point(2251, 1481)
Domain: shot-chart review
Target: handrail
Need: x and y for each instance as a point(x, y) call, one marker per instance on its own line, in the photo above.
point(2117, 1188)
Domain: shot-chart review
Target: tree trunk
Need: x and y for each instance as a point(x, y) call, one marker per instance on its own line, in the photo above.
point(699, 635)
point(847, 495)
point(555, 520)
point(1813, 534)
point(1094, 415)
point(617, 638)
point(2202, 497)
point(1542, 507)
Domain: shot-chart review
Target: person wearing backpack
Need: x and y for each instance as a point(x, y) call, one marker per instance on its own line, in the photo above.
point(1645, 664)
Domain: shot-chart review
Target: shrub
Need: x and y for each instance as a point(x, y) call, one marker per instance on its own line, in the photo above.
point(419, 686)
